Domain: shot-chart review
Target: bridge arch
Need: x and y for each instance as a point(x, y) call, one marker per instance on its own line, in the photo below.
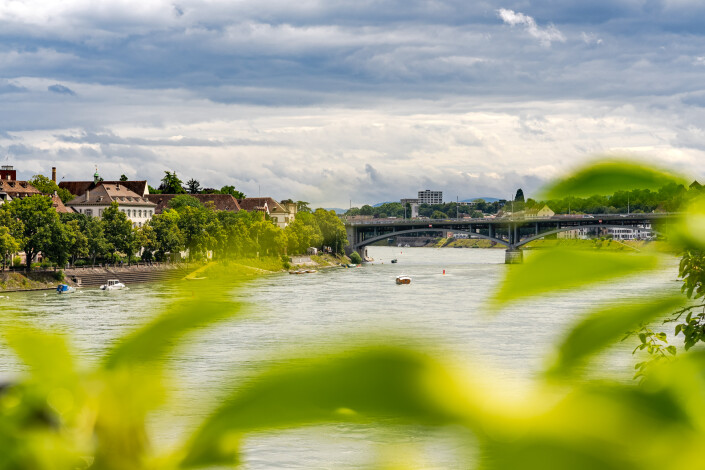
point(370, 241)
point(566, 229)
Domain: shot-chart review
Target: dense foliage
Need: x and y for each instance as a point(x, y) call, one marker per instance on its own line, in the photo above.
point(31, 224)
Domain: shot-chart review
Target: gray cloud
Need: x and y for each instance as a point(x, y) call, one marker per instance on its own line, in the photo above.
point(61, 89)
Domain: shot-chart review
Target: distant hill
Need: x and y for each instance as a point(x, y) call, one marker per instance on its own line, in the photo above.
point(486, 199)
point(337, 210)
point(380, 203)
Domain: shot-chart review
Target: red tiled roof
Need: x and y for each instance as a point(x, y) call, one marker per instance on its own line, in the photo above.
point(59, 205)
point(78, 188)
point(222, 202)
point(18, 188)
point(259, 203)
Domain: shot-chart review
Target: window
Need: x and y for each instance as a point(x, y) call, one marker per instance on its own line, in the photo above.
point(100, 212)
point(89, 212)
point(140, 213)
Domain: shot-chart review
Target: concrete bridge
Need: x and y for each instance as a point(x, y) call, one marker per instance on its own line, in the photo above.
point(510, 232)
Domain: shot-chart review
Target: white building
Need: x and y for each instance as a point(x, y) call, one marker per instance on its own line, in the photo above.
point(95, 200)
point(630, 233)
point(430, 197)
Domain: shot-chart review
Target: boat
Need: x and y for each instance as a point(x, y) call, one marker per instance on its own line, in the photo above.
point(309, 271)
point(64, 289)
point(394, 260)
point(402, 279)
point(113, 284)
point(300, 271)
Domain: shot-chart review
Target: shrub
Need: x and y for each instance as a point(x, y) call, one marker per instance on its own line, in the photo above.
point(59, 275)
point(355, 257)
point(17, 261)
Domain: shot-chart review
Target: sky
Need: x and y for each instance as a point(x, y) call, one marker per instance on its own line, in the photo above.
point(344, 103)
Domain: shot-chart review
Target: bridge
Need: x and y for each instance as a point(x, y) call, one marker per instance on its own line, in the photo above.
point(510, 232)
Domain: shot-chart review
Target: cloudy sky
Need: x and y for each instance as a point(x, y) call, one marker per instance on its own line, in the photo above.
point(330, 101)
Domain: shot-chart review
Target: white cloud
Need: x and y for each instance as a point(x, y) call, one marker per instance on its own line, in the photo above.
point(591, 38)
point(545, 35)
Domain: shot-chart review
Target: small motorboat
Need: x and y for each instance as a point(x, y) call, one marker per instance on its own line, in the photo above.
point(300, 271)
point(403, 279)
point(113, 284)
point(394, 260)
point(311, 271)
point(64, 289)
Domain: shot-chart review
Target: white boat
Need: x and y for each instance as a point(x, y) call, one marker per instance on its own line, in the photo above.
point(402, 279)
point(113, 284)
point(64, 289)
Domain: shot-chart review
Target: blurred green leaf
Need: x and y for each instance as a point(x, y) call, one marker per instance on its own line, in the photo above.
point(688, 231)
point(556, 269)
point(608, 177)
point(602, 328)
point(369, 384)
point(204, 304)
point(47, 355)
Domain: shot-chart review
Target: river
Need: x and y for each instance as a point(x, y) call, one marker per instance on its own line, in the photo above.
point(443, 310)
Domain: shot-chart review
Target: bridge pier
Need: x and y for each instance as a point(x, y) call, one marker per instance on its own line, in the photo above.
point(513, 256)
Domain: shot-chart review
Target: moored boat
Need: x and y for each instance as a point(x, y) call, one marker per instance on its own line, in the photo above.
point(394, 260)
point(402, 279)
point(113, 284)
point(64, 289)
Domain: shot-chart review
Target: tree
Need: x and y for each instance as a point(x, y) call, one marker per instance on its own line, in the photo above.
point(48, 186)
point(167, 237)
point(153, 190)
point(332, 229)
point(171, 184)
point(95, 235)
point(184, 200)
point(79, 245)
point(194, 187)
point(8, 245)
point(35, 212)
point(233, 192)
point(119, 231)
point(519, 196)
point(123, 177)
point(439, 215)
point(302, 206)
point(58, 242)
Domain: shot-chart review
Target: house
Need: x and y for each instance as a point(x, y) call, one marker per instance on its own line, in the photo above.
point(544, 213)
point(101, 194)
point(221, 202)
point(12, 189)
point(281, 214)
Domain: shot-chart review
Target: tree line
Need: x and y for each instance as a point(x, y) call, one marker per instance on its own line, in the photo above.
point(32, 225)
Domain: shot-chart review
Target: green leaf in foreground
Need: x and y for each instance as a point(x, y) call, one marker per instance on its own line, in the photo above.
point(369, 384)
point(204, 304)
point(552, 270)
point(602, 328)
point(608, 177)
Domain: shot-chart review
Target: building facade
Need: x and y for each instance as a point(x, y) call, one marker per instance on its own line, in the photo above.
point(430, 197)
point(94, 201)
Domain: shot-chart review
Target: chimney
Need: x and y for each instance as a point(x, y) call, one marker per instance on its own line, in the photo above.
point(53, 174)
point(88, 195)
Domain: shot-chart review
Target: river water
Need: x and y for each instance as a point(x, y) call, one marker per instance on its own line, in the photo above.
point(443, 311)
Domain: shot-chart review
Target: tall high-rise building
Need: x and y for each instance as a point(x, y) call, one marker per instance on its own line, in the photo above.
point(430, 197)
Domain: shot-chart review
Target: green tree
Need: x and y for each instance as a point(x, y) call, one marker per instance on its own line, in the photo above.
point(35, 212)
point(194, 187)
point(519, 196)
point(332, 229)
point(439, 215)
point(79, 245)
point(232, 191)
point(171, 184)
point(98, 244)
point(59, 240)
point(302, 206)
point(48, 186)
point(119, 232)
point(8, 245)
point(197, 226)
point(183, 200)
point(123, 177)
point(168, 237)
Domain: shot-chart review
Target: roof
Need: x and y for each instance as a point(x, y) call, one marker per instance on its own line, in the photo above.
point(18, 188)
point(59, 205)
point(78, 188)
point(107, 192)
point(263, 204)
point(222, 202)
